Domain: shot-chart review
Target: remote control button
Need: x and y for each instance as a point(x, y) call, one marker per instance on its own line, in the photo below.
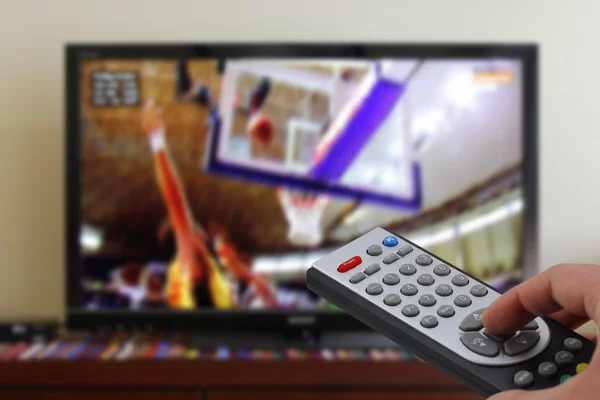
point(442, 270)
point(425, 280)
point(410, 310)
point(390, 241)
point(563, 358)
point(495, 337)
point(460, 280)
point(357, 277)
point(374, 250)
point(565, 378)
point(348, 265)
point(479, 291)
point(479, 344)
point(446, 311)
point(547, 369)
point(392, 299)
point(532, 326)
point(404, 250)
point(424, 259)
point(573, 345)
point(443, 290)
point(371, 269)
point(521, 343)
point(427, 300)
point(391, 279)
point(581, 367)
point(429, 321)
point(409, 290)
point(472, 322)
point(408, 269)
point(374, 289)
point(523, 379)
point(462, 301)
point(390, 258)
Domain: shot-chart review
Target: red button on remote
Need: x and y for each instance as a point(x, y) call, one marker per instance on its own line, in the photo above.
point(348, 265)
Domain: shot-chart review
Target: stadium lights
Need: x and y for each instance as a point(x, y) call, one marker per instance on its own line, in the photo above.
point(471, 225)
point(90, 239)
point(299, 262)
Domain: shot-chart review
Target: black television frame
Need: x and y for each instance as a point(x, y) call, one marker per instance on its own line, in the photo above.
point(270, 320)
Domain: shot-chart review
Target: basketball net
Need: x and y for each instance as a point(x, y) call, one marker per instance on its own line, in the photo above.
point(303, 212)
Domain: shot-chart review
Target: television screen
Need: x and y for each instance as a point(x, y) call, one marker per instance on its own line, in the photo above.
point(212, 184)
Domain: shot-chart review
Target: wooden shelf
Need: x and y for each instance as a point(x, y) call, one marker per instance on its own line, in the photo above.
point(226, 380)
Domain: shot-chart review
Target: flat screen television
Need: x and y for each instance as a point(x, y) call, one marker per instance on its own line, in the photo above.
point(203, 180)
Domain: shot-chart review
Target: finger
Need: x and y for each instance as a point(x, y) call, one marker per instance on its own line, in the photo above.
point(570, 320)
point(569, 287)
point(591, 338)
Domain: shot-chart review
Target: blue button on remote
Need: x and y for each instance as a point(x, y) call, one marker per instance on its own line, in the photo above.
point(390, 241)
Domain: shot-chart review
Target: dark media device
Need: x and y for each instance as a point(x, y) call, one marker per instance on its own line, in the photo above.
point(203, 180)
point(36, 332)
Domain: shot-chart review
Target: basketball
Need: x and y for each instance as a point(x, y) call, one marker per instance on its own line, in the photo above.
point(261, 130)
point(347, 74)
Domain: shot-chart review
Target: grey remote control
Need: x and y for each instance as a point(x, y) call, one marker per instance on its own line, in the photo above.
point(434, 309)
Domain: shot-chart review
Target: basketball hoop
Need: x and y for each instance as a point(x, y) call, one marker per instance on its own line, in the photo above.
point(303, 212)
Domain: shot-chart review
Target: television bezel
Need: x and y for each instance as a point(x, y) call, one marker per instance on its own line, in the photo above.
point(270, 320)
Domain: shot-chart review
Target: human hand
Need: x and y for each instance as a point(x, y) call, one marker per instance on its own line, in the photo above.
point(152, 118)
point(568, 293)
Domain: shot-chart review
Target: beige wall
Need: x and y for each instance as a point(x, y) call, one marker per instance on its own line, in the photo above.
point(32, 34)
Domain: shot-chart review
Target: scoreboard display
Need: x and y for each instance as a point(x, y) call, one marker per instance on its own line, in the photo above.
point(115, 89)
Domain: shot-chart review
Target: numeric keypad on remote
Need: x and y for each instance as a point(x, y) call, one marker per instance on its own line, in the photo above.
point(391, 279)
point(409, 289)
point(424, 259)
point(443, 290)
point(442, 270)
point(427, 300)
point(408, 269)
point(425, 280)
point(460, 280)
point(443, 299)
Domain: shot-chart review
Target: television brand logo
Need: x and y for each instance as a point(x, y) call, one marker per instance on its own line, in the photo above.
point(301, 320)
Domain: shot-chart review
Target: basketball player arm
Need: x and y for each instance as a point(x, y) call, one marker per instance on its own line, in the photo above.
point(170, 185)
point(241, 270)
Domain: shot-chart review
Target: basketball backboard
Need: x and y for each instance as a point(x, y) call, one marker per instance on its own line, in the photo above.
point(339, 127)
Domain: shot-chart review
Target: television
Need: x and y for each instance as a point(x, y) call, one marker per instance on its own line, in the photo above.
point(203, 180)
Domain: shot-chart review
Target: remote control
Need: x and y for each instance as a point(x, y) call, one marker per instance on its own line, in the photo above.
point(434, 310)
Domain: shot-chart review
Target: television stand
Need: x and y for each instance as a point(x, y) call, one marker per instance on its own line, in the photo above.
point(309, 339)
point(299, 373)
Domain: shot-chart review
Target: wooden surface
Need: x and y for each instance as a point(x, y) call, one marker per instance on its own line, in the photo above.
point(234, 395)
point(245, 374)
point(342, 395)
point(227, 380)
point(98, 395)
